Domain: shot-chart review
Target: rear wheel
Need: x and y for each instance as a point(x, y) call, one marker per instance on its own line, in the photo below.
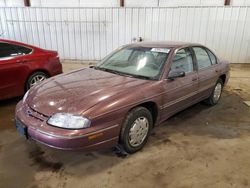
point(216, 94)
point(135, 129)
point(35, 78)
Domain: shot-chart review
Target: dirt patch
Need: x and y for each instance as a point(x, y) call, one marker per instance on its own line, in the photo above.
point(7, 113)
point(37, 155)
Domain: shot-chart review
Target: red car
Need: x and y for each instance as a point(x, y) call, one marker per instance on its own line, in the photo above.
point(23, 65)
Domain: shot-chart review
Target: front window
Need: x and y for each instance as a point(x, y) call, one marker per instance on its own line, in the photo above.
point(183, 61)
point(140, 62)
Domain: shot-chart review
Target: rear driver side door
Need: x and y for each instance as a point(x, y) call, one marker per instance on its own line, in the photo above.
point(207, 70)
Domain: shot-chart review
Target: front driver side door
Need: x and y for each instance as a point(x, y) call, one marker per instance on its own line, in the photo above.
point(180, 92)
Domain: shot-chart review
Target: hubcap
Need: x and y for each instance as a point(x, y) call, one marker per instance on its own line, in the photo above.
point(36, 79)
point(138, 131)
point(217, 92)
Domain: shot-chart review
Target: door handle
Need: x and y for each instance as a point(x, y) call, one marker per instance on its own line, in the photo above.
point(21, 61)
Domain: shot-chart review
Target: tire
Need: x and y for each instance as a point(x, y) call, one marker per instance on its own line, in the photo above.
point(138, 123)
point(35, 78)
point(214, 98)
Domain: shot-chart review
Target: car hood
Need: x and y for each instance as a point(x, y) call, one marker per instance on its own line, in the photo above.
point(78, 91)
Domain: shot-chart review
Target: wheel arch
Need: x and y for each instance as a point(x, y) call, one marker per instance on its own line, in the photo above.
point(223, 78)
point(152, 107)
point(34, 71)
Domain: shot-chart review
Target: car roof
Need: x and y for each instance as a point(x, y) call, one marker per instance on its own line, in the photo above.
point(18, 43)
point(163, 44)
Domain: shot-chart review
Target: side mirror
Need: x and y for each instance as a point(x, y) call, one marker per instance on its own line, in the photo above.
point(175, 74)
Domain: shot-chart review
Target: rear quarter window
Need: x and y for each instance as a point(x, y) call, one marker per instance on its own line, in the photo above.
point(24, 50)
point(212, 57)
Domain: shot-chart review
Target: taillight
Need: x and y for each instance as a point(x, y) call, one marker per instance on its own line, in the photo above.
point(54, 56)
point(57, 55)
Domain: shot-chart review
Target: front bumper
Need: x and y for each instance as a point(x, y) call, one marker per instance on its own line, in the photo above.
point(93, 138)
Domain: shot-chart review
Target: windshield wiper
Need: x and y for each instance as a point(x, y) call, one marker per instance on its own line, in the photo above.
point(113, 71)
point(101, 68)
point(124, 74)
point(109, 70)
point(142, 77)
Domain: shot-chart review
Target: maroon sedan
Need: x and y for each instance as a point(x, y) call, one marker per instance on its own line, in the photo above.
point(23, 65)
point(121, 99)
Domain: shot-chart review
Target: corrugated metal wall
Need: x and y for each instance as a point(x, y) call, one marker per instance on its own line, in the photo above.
point(116, 3)
point(91, 33)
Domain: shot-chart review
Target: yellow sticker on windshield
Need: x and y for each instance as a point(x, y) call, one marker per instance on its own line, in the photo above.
point(161, 50)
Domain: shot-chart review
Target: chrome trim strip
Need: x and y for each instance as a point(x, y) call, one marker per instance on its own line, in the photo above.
point(186, 96)
point(178, 100)
point(73, 136)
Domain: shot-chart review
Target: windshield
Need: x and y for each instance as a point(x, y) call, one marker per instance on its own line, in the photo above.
point(138, 62)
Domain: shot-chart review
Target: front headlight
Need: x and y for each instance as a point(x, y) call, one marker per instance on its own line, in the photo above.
point(69, 121)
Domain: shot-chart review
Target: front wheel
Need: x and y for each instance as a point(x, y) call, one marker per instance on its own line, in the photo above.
point(135, 129)
point(35, 78)
point(216, 94)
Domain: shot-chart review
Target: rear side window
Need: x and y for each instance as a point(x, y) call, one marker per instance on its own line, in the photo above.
point(202, 57)
point(10, 50)
point(212, 57)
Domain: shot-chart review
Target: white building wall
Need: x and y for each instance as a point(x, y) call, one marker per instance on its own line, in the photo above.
point(75, 3)
point(141, 3)
point(116, 3)
point(12, 3)
point(169, 3)
point(240, 2)
point(91, 33)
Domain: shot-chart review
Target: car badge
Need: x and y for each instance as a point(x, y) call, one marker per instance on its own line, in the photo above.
point(29, 112)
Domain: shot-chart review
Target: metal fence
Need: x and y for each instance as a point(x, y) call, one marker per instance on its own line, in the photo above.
point(91, 33)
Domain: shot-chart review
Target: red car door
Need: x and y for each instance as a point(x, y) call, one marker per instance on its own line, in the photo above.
point(12, 71)
point(181, 91)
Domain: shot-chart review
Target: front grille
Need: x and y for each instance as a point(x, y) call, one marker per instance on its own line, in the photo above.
point(35, 114)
